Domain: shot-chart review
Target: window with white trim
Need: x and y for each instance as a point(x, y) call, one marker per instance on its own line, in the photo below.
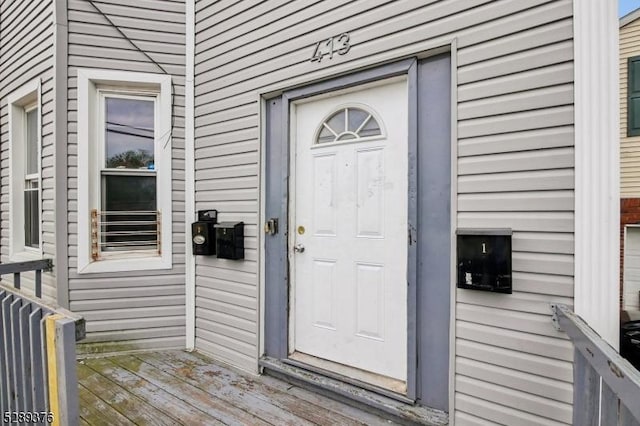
point(127, 218)
point(25, 173)
point(124, 154)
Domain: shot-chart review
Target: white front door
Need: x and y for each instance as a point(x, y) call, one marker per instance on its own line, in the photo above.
point(349, 228)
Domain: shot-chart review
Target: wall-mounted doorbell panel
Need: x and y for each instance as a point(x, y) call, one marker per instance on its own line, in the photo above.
point(203, 233)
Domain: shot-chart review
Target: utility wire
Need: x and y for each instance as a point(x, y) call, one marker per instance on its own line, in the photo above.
point(164, 71)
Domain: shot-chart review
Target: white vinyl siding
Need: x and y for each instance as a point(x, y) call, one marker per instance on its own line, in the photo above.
point(515, 169)
point(140, 309)
point(629, 145)
point(26, 55)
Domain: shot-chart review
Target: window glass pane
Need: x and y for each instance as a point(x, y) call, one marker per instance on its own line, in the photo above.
point(129, 133)
point(372, 128)
point(31, 216)
point(129, 219)
point(31, 152)
point(356, 118)
point(325, 136)
point(336, 122)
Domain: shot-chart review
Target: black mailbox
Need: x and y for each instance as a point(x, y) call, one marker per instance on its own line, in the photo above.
point(484, 259)
point(230, 240)
point(202, 233)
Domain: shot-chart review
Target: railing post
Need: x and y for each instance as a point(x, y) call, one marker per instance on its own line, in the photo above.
point(63, 380)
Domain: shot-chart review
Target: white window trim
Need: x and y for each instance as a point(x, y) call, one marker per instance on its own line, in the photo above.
point(89, 83)
point(25, 97)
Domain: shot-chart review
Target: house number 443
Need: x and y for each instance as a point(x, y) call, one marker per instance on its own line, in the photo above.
point(337, 44)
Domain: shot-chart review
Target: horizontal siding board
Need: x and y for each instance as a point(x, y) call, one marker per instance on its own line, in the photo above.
point(539, 159)
point(517, 201)
point(543, 242)
point(123, 324)
point(534, 58)
point(518, 301)
point(510, 320)
point(539, 386)
point(514, 102)
point(512, 340)
point(124, 335)
point(536, 180)
point(211, 345)
point(515, 122)
point(516, 360)
point(134, 313)
point(232, 336)
point(498, 414)
point(513, 83)
point(538, 36)
point(543, 408)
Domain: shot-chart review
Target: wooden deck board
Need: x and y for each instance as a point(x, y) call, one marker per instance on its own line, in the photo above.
point(95, 412)
point(315, 409)
point(226, 386)
point(178, 387)
point(133, 408)
point(153, 394)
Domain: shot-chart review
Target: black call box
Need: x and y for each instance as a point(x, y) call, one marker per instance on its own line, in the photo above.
point(484, 259)
point(203, 233)
point(230, 240)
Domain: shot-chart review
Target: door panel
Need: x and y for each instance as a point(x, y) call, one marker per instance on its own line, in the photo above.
point(349, 213)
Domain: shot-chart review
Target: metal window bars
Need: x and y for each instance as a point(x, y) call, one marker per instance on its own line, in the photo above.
point(113, 231)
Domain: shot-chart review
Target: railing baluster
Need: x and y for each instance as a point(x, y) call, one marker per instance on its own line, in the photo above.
point(39, 386)
point(25, 358)
point(38, 287)
point(610, 410)
point(586, 392)
point(4, 389)
point(16, 280)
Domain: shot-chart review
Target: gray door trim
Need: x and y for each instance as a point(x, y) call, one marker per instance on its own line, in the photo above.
point(420, 351)
point(434, 231)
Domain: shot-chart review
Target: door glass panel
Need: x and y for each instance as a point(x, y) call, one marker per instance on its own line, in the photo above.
point(129, 133)
point(359, 124)
point(357, 118)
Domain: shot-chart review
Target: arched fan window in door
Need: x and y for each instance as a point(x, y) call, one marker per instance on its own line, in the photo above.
point(346, 124)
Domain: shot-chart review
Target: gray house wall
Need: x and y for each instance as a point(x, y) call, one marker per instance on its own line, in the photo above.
point(143, 309)
point(26, 54)
point(514, 168)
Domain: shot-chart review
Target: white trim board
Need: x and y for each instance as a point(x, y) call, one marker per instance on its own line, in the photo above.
point(190, 196)
point(597, 182)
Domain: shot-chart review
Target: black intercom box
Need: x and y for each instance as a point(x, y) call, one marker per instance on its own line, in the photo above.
point(484, 259)
point(203, 233)
point(230, 240)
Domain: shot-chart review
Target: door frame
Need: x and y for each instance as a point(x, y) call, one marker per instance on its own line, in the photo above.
point(434, 358)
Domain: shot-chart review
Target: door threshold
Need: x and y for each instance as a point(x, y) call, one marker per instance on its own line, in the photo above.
point(393, 388)
point(398, 408)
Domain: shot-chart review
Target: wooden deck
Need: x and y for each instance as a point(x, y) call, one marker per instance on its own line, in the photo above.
point(177, 387)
